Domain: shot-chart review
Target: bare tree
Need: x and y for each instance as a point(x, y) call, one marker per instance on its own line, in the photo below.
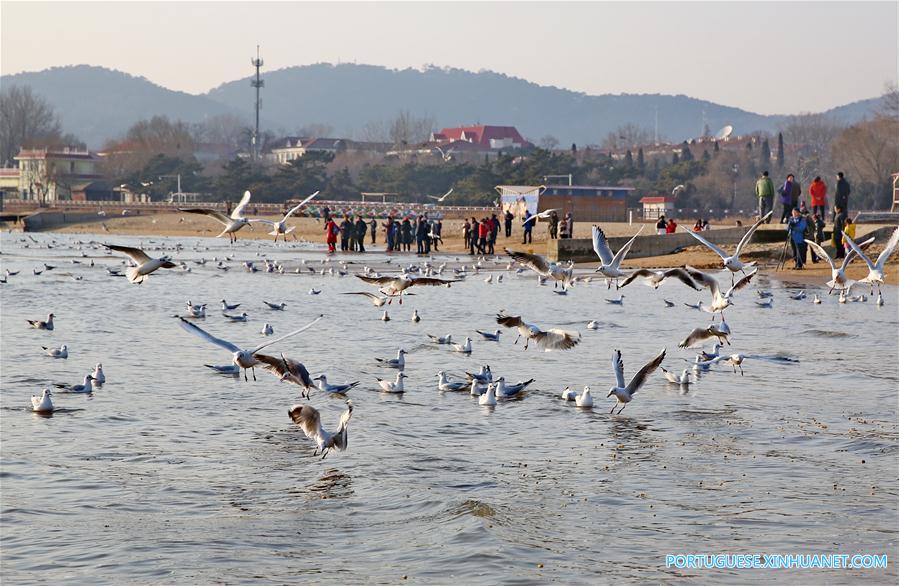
point(25, 120)
point(220, 129)
point(549, 142)
point(890, 102)
point(159, 135)
point(869, 150)
point(315, 130)
point(811, 137)
point(407, 128)
point(374, 132)
point(627, 135)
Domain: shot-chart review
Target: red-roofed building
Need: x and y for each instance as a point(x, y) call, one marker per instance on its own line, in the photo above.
point(655, 206)
point(487, 137)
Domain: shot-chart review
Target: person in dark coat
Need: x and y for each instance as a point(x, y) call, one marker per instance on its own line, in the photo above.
point(388, 230)
point(786, 199)
point(346, 234)
point(421, 233)
point(841, 197)
point(494, 232)
point(839, 224)
point(437, 231)
point(553, 225)
point(407, 234)
point(507, 218)
point(796, 227)
point(361, 229)
point(374, 228)
point(473, 237)
point(528, 226)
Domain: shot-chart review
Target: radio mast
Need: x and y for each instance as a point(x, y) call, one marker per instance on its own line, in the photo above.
point(258, 84)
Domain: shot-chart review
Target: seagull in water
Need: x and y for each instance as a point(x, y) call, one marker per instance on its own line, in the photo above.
point(324, 387)
point(447, 339)
point(504, 390)
point(568, 394)
point(494, 337)
point(61, 352)
point(585, 399)
point(232, 223)
point(875, 269)
point(488, 399)
point(235, 318)
point(275, 306)
point(229, 307)
point(280, 228)
point(619, 301)
point(392, 387)
point(683, 380)
point(42, 325)
point(552, 339)
point(145, 264)
point(610, 266)
point(85, 387)
point(543, 267)
point(625, 393)
point(732, 262)
point(398, 362)
point(99, 375)
point(415, 317)
point(42, 404)
point(309, 420)
point(463, 348)
point(242, 358)
point(267, 330)
point(445, 385)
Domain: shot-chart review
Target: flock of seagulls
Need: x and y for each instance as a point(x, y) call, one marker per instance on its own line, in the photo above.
point(488, 389)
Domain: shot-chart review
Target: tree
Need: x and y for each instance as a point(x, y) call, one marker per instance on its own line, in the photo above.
point(221, 129)
point(890, 102)
point(26, 120)
point(407, 128)
point(685, 153)
point(641, 162)
point(780, 149)
point(627, 135)
point(549, 142)
point(765, 154)
point(870, 152)
point(628, 159)
point(315, 130)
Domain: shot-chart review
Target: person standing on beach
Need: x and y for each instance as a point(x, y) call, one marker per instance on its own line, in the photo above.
point(466, 233)
point(817, 191)
point(671, 227)
point(473, 236)
point(528, 226)
point(796, 227)
point(507, 218)
point(374, 228)
point(841, 197)
point(361, 228)
point(346, 233)
point(764, 191)
point(817, 227)
point(494, 232)
point(331, 231)
point(569, 225)
point(839, 223)
point(407, 234)
point(483, 234)
point(388, 230)
point(553, 225)
point(662, 225)
point(786, 199)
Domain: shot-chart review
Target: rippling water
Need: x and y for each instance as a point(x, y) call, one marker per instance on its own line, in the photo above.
point(171, 474)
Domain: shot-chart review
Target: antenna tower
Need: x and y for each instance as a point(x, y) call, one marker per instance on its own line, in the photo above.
point(258, 84)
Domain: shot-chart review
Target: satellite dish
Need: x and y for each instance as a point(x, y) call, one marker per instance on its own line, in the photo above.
point(724, 133)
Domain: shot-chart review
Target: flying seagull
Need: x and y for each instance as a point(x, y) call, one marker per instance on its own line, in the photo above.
point(442, 197)
point(655, 278)
point(145, 264)
point(875, 269)
point(309, 420)
point(232, 223)
point(838, 278)
point(625, 393)
point(733, 263)
point(540, 265)
point(287, 370)
point(280, 228)
point(553, 339)
point(392, 286)
point(610, 267)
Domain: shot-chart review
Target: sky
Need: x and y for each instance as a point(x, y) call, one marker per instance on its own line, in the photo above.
point(766, 57)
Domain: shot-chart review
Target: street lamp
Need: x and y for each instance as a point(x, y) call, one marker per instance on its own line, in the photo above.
point(736, 171)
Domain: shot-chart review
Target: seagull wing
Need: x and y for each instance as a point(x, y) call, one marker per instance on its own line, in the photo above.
point(711, 246)
point(432, 282)
point(748, 236)
point(371, 296)
point(555, 339)
point(618, 367)
point(601, 245)
point(703, 279)
point(136, 254)
point(859, 252)
point(636, 275)
point(622, 252)
point(696, 336)
point(535, 262)
point(238, 211)
point(643, 373)
point(819, 250)
point(445, 195)
point(211, 213)
point(294, 209)
point(741, 283)
point(340, 439)
point(281, 366)
point(670, 376)
point(888, 250)
point(850, 256)
point(284, 337)
point(510, 321)
point(376, 280)
point(198, 331)
point(683, 276)
point(308, 419)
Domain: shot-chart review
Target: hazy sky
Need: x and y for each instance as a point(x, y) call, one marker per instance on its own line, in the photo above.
point(768, 57)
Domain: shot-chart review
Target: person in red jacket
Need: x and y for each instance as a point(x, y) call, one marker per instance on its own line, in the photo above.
point(331, 237)
point(671, 227)
point(818, 192)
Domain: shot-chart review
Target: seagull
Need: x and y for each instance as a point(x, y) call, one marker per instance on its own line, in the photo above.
point(732, 263)
point(227, 369)
point(392, 387)
point(568, 394)
point(699, 335)
point(875, 269)
point(444, 385)
point(385, 317)
point(392, 286)
point(494, 337)
point(243, 358)
point(463, 348)
point(376, 300)
point(593, 325)
point(36, 272)
point(198, 311)
point(625, 393)
point(483, 376)
point(764, 294)
point(879, 301)
point(324, 387)
point(585, 399)
point(314, 291)
point(444, 196)
point(85, 387)
point(232, 223)
point(415, 317)
point(619, 301)
point(682, 380)
point(694, 305)
point(668, 303)
point(145, 264)
point(267, 330)
point(842, 298)
point(288, 370)
point(610, 266)
point(447, 339)
point(398, 362)
point(280, 228)
point(719, 302)
point(42, 404)
point(767, 302)
point(655, 278)
point(42, 325)
point(798, 296)
point(309, 420)
point(275, 306)
point(228, 307)
point(543, 267)
point(544, 215)
point(235, 318)
point(99, 375)
point(553, 339)
point(61, 352)
point(504, 390)
point(838, 279)
point(488, 399)
point(735, 360)
point(716, 351)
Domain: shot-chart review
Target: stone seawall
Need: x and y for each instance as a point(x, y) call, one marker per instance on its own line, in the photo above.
point(50, 220)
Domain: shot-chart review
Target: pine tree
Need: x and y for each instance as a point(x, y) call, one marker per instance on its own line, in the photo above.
point(780, 149)
point(717, 148)
point(685, 153)
point(641, 162)
point(573, 148)
point(765, 156)
point(628, 158)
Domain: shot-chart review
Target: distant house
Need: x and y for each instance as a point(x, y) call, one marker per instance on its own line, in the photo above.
point(52, 174)
point(486, 137)
point(655, 206)
point(291, 148)
point(587, 203)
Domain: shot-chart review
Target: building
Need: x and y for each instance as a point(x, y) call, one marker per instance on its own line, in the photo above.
point(52, 174)
point(587, 203)
point(487, 137)
point(293, 147)
point(655, 206)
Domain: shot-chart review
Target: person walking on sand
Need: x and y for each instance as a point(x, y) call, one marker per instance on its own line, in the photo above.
point(817, 191)
point(764, 191)
point(528, 226)
point(796, 227)
point(507, 219)
point(841, 197)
